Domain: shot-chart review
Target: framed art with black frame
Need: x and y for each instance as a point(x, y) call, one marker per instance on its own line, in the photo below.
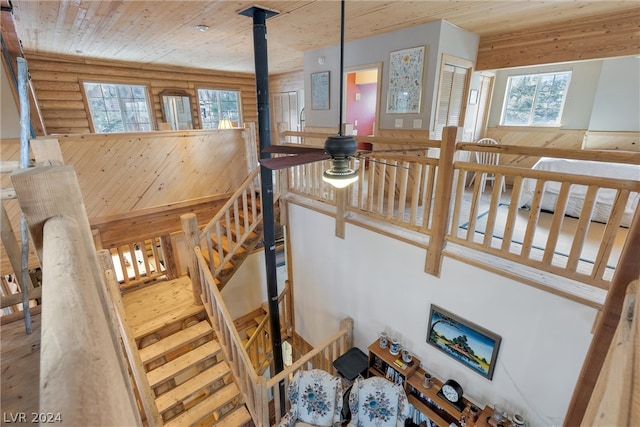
point(468, 343)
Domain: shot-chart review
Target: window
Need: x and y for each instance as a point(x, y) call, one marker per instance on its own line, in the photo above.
point(535, 99)
point(218, 107)
point(118, 107)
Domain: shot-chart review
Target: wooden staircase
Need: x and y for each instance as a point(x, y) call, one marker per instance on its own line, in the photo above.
point(192, 383)
point(231, 231)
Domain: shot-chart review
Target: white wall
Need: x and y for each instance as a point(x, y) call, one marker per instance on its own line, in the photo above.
point(380, 282)
point(439, 37)
point(604, 95)
point(580, 96)
point(10, 116)
point(617, 101)
point(247, 288)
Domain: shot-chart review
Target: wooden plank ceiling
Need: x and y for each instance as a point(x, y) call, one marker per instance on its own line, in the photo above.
point(164, 32)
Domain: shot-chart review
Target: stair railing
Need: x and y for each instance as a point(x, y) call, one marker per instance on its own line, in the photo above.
point(83, 357)
point(321, 357)
point(259, 345)
point(146, 396)
point(250, 384)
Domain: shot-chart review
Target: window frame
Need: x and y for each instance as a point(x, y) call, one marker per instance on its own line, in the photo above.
point(221, 89)
point(87, 103)
point(558, 122)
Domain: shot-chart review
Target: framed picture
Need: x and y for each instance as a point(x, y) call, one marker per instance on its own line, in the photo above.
point(320, 91)
point(470, 344)
point(405, 80)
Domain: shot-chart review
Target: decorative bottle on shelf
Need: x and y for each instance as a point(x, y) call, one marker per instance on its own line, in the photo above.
point(383, 342)
point(427, 382)
point(395, 347)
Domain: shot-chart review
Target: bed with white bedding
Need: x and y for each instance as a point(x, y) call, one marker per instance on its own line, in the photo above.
point(605, 197)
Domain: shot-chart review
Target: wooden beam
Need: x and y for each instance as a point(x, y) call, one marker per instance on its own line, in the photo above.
point(627, 271)
point(603, 36)
point(442, 206)
point(81, 377)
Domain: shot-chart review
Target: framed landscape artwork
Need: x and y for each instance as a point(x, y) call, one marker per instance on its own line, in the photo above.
point(470, 344)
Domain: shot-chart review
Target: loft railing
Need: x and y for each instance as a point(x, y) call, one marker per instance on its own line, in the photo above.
point(429, 196)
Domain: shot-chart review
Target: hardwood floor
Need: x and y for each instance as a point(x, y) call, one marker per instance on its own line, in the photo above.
point(20, 362)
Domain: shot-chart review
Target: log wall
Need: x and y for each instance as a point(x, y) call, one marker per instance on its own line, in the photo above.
point(124, 172)
point(58, 87)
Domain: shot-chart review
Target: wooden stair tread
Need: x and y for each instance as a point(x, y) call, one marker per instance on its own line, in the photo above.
point(182, 363)
point(206, 407)
point(237, 418)
point(226, 246)
point(201, 381)
point(228, 266)
point(175, 341)
point(159, 322)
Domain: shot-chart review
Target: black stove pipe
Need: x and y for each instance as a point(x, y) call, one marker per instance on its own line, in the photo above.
point(260, 16)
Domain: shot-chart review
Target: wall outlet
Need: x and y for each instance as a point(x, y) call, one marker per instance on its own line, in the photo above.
point(398, 123)
point(417, 123)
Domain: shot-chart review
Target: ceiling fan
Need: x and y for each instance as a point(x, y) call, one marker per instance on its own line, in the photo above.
point(339, 148)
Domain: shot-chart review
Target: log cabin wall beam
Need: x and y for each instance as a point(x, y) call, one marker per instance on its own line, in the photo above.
point(58, 86)
point(604, 36)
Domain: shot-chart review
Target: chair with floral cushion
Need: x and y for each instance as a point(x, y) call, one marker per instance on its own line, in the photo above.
point(378, 402)
point(316, 400)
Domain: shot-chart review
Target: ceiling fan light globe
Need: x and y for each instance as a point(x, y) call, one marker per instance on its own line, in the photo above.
point(340, 178)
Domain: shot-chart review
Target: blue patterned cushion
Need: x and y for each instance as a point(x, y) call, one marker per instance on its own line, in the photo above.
point(377, 402)
point(315, 397)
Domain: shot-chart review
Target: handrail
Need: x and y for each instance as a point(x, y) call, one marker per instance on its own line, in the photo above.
point(614, 156)
point(250, 384)
point(234, 197)
point(145, 393)
point(83, 358)
point(239, 217)
point(321, 357)
point(88, 367)
point(259, 341)
point(400, 193)
point(539, 245)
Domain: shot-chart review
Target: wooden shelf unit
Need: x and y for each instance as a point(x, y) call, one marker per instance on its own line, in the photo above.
point(380, 360)
point(425, 400)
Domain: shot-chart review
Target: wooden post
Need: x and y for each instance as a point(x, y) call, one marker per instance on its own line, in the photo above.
point(191, 233)
point(627, 271)
point(347, 323)
point(442, 201)
point(82, 349)
point(170, 259)
point(81, 377)
point(12, 247)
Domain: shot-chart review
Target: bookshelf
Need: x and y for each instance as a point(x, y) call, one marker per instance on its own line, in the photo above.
point(425, 400)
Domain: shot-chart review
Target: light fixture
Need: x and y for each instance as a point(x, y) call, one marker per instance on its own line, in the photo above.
point(202, 27)
point(342, 148)
point(225, 124)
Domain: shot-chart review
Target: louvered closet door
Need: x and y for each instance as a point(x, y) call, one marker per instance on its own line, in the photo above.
point(451, 96)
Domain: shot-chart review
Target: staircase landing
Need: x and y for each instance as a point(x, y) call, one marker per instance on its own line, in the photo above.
point(155, 307)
